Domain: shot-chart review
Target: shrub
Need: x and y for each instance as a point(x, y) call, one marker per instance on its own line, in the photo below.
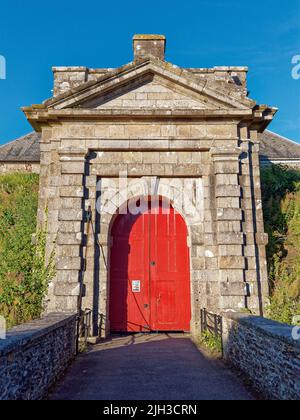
point(281, 202)
point(24, 273)
point(211, 342)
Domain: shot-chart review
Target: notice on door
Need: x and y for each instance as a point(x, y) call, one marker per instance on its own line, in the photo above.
point(136, 286)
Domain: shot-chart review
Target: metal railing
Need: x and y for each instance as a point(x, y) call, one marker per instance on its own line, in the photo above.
point(213, 324)
point(84, 327)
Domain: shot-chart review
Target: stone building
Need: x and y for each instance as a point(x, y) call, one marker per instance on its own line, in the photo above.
point(21, 155)
point(187, 138)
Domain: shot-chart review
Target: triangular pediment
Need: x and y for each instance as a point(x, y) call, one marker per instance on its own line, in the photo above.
point(149, 85)
point(150, 91)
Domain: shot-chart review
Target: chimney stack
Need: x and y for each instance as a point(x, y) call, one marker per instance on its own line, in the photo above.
point(149, 45)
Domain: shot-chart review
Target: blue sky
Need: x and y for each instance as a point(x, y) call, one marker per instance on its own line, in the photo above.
point(36, 35)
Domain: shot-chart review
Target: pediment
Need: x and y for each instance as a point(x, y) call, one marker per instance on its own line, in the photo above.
point(150, 91)
point(148, 85)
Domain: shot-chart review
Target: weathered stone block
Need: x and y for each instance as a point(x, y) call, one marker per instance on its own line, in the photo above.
point(70, 214)
point(68, 250)
point(231, 276)
point(231, 262)
point(71, 192)
point(229, 226)
point(226, 167)
point(151, 157)
point(67, 289)
point(228, 202)
point(72, 167)
point(225, 250)
point(70, 180)
point(68, 276)
point(211, 263)
point(227, 179)
point(70, 203)
point(70, 227)
point(198, 263)
point(228, 191)
point(233, 289)
point(69, 263)
point(230, 238)
point(69, 238)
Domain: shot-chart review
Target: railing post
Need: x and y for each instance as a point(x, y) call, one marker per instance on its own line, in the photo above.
point(216, 325)
point(221, 334)
point(201, 317)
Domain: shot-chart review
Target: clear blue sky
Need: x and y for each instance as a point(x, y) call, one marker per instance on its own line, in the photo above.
point(35, 35)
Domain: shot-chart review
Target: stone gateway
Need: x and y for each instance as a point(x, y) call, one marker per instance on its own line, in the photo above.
point(149, 131)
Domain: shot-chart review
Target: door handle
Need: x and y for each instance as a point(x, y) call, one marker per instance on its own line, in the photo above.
point(159, 299)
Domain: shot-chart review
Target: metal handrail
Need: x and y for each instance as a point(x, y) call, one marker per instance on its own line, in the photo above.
point(84, 326)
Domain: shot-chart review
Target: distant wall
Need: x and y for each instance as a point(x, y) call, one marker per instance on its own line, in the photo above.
point(34, 355)
point(266, 352)
point(9, 167)
point(291, 163)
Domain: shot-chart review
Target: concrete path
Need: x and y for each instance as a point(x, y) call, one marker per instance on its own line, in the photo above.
point(149, 367)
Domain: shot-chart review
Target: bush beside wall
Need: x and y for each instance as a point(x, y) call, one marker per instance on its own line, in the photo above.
point(281, 203)
point(23, 272)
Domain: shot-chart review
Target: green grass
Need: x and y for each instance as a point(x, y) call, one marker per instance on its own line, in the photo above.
point(211, 342)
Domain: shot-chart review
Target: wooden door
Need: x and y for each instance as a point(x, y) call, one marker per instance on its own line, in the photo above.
point(150, 271)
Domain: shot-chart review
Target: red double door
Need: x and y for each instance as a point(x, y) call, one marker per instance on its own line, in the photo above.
point(150, 271)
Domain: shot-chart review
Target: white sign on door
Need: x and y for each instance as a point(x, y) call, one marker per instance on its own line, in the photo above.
point(136, 286)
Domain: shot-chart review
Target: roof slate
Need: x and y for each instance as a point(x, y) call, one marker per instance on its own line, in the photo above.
point(274, 146)
point(24, 149)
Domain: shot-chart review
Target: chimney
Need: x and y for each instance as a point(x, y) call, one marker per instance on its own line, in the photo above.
point(149, 45)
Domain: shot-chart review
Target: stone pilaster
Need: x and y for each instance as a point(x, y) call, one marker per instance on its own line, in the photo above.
point(254, 250)
point(230, 237)
point(70, 238)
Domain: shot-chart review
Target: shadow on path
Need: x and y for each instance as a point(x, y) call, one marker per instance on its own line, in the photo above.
point(149, 367)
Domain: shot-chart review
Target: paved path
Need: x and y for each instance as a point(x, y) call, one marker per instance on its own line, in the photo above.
point(149, 367)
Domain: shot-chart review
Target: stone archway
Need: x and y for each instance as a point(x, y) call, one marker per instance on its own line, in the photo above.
point(188, 205)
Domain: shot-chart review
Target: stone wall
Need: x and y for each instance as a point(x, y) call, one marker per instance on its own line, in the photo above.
point(291, 163)
point(34, 355)
point(266, 352)
point(24, 167)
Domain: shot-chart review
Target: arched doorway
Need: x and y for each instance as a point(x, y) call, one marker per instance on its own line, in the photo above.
point(150, 270)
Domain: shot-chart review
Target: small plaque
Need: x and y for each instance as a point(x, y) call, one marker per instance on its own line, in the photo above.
point(136, 286)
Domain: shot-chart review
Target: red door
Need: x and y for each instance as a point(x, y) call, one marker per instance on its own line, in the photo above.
point(150, 271)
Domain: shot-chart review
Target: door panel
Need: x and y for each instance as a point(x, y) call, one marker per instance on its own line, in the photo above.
point(128, 255)
point(170, 277)
point(150, 253)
